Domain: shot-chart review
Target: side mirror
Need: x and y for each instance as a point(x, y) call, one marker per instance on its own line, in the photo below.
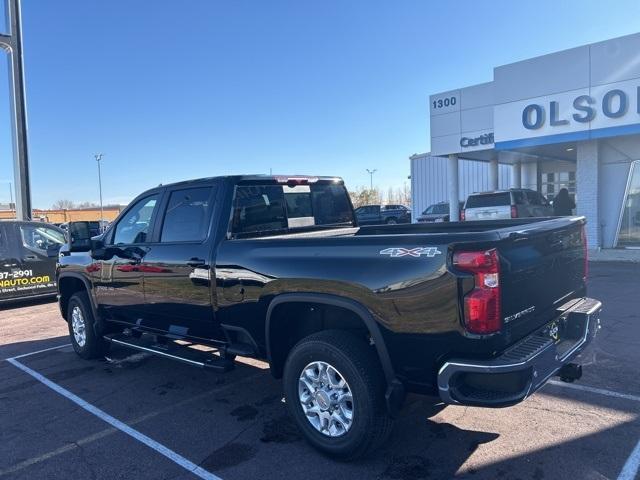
point(98, 250)
point(53, 251)
point(79, 236)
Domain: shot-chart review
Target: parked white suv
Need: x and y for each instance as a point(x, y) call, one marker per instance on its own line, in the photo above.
point(514, 203)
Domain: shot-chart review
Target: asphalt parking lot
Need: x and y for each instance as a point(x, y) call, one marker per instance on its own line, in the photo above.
point(234, 426)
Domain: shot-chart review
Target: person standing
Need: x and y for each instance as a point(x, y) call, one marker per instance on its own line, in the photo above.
point(563, 204)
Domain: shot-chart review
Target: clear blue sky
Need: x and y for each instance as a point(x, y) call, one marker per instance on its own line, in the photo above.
point(171, 90)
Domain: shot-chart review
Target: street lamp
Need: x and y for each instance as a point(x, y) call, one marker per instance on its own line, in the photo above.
point(371, 172)
point(98, 157)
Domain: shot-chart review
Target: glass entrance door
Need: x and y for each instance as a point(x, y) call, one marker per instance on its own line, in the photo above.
point(629, 231)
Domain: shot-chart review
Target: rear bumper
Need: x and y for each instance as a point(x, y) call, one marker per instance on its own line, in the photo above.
point(524, 367)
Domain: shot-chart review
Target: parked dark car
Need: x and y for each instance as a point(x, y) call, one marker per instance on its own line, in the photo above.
point(28, 255)
point(438, 212)
point(513, 203)
point(351, 317)
point(382, 214)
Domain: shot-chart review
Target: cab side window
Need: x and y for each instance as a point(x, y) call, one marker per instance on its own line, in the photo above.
point(259, 209)
point(187, 216)
point(41, 238)
point(134, 226)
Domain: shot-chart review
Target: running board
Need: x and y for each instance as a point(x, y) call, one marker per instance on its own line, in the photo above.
point(174, 351)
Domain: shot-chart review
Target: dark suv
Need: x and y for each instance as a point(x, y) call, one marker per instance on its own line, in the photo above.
point(381, 214)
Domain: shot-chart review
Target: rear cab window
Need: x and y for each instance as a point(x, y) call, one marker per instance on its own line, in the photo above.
point(489, 200)
point(273, 209)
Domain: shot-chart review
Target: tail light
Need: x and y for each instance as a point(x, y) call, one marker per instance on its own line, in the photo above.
point(585, 252)
point(482, 310)
point(514, 211)
point(462, 215)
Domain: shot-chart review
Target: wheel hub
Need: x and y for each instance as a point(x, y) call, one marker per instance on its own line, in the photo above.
point(326, 399)
point(323, 400)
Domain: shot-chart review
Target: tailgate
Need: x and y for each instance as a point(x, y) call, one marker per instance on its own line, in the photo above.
point(543, 266)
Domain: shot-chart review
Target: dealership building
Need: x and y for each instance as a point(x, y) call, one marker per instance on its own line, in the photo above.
point(569, 119)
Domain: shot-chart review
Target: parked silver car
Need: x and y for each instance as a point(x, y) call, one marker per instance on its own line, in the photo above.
point(513, 203)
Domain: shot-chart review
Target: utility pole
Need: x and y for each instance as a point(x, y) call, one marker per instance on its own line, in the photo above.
point(11, 42)
point(371, 172)
point(98, 157)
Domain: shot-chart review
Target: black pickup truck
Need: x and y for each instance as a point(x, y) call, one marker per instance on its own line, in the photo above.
point(352, 318)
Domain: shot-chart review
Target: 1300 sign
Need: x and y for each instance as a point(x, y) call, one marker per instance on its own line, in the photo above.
point(444, 102)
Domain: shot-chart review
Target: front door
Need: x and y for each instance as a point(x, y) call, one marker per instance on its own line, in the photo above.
point(119, 281)
point(177, 268)
point(36, 247)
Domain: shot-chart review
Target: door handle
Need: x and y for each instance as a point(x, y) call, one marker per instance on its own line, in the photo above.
point(197, 263)
point(30, 257)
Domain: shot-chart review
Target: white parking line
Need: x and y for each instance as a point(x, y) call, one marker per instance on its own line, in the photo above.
point(114, 422)
point(599, 391)
point(39, 351)
point(632, 465)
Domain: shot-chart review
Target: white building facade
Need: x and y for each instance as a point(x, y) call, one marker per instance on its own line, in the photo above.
point(570, 119)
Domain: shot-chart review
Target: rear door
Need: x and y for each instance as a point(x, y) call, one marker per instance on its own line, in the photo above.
point(488, 206)
point(177, 267)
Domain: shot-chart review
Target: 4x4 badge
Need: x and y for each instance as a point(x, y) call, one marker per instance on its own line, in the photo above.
point(412, 252)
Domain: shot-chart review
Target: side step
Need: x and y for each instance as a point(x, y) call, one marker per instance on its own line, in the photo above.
point(174, 351)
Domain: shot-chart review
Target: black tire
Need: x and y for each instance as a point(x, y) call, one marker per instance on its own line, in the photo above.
point(358, 364)
point(392, 221)
point(93, 345)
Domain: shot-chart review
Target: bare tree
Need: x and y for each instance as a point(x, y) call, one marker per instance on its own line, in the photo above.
point(365, 196)
point(87, 204)
point(391, 197)
point(63, 204)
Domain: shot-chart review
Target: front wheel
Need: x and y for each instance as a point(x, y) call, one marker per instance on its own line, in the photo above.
point(81, 332)
point(334, 389)
point(392, 221)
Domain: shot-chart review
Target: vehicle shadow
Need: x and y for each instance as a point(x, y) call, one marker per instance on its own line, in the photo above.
point(566, 458)
point(28, 346)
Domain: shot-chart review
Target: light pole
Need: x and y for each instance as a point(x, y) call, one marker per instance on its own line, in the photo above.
point(11, 42)
point(98, 157)
point(371, 172)
point(10, 192)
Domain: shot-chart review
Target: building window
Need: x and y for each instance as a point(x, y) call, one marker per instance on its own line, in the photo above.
point(554, 181)
point(629, 230)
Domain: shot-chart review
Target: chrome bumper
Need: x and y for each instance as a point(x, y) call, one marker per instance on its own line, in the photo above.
point(524, 367)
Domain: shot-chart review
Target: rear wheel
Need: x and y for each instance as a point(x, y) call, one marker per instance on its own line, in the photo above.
point(391, 221)
point(334, 388)
point(81, 322)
